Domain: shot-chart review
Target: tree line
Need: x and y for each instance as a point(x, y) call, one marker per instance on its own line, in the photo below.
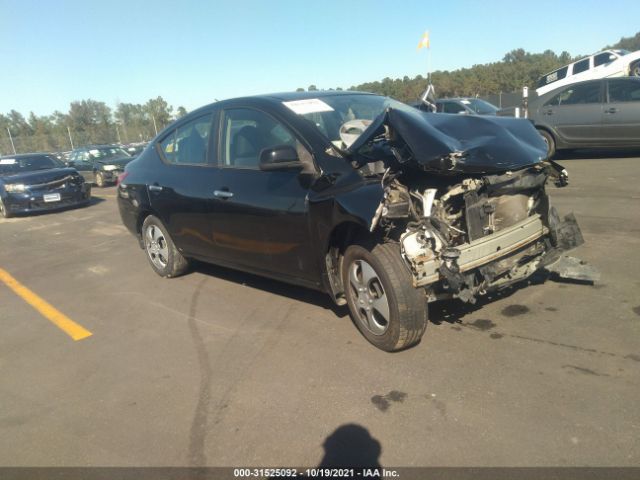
point(86, 122)
point(90, 121)
point(517, 69)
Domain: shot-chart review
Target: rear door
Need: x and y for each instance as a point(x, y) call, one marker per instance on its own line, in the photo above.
point(622, 112)
point(576, 112)
point(181, 189)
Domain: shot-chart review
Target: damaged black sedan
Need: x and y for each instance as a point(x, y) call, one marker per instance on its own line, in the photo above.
point(384, 207)
point(38, 182)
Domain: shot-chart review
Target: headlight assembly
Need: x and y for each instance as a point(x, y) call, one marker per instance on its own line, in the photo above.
point(15, 187)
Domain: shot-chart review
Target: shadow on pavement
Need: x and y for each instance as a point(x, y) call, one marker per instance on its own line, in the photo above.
point(592, 153)
point(276, 287)
point(351, 446)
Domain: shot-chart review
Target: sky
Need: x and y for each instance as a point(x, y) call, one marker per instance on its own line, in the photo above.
point(53, 52)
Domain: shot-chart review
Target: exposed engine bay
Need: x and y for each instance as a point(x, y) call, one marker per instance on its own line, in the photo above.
point(469, 217)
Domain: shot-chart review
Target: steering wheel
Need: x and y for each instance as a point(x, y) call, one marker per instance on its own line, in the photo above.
point(352, 129)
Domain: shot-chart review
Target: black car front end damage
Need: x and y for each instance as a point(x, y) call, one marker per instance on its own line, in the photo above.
point(465, 198)
point(42, 191)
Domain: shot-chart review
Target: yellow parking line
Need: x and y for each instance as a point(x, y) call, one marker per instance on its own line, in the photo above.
point(64, 323)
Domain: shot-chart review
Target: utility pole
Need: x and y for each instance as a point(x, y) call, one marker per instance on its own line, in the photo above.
point(11, 139)
point(154, 124)
point(118, 133)
point(70, 139)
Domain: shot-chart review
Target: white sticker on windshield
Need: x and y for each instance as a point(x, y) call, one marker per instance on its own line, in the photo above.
point(310, 105)
point(466, 102)
point(8, 161)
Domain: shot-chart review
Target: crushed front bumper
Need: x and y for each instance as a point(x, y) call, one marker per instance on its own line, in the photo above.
point(506, 257)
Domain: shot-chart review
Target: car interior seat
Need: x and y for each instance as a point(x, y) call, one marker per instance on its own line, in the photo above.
point(245, 147)
point(192, 149)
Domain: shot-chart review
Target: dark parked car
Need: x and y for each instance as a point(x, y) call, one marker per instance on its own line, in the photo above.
point(592, 114)
point(99, 164)
point(382, 206)
point(35, 182)
point(466, 105)
point(134, 149)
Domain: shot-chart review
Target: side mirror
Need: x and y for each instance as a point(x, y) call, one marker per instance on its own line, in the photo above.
point(612, 57)
point(281, 157)
point(71, 163)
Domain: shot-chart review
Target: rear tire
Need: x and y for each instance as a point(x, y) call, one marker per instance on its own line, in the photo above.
point(550, 141)
point(163, 256)
point(374, 276)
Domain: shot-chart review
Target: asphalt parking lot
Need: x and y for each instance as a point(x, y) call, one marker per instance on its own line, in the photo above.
point(222, 368)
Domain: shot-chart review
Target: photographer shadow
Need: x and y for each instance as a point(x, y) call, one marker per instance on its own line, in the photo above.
point(351, 446)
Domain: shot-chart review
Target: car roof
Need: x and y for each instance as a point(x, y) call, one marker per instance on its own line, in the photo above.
point(26, 155)
point(280, 97)
point(562, 87)
point(106, 145)
point(456, 99)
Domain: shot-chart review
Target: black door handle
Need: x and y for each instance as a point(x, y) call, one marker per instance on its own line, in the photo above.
point(549, 112)
point(611, 110)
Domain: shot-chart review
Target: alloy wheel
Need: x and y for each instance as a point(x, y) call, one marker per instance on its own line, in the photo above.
point(369, 297)
point(156, 246)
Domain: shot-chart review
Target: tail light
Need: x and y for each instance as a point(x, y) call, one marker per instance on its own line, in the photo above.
point(121, 178)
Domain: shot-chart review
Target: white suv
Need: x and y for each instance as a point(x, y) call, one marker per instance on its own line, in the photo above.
point(608, 63)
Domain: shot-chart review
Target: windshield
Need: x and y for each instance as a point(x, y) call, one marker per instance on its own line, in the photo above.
point(12, 166)
point(621, 52)
point(480, 106)
point(107, 152)
point(342, 118)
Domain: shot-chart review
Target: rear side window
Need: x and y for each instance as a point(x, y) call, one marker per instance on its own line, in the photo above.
point(577, 95)
point(601, 59)
point(188, 144)
point(581, 66)
point(553, 76)
point(624, 91)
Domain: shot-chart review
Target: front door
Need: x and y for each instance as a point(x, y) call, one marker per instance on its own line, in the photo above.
point(622, 112)
point(576, 113)
point(260, 218)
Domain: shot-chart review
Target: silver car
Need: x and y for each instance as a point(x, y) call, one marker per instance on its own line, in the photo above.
point(592, 114)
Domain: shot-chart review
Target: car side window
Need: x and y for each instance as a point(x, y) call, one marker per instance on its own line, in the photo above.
point(246, 132)
point(188, 144)
point(601, 59)
point(576, 95)
point(624, 91)
point(451, 107)
point(581, 66)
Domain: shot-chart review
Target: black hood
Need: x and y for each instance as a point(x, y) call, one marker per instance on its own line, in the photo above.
point(454, 144)
point(37, 177)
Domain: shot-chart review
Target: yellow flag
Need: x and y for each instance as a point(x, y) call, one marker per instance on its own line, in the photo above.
point(424, 41)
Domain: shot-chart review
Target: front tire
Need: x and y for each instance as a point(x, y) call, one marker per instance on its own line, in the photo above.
point(635, 70)
point(550, 141)
point(163, 256)
point(100, 180)
point(383, 303)
point(4, 213)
